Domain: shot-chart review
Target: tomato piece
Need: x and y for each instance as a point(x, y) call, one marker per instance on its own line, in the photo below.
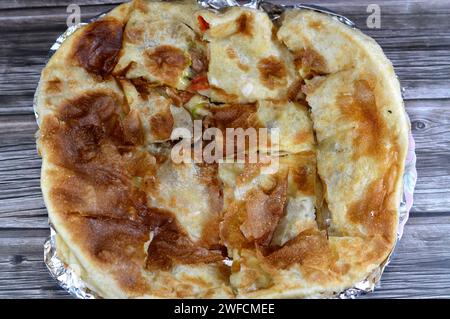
point(199, 83)
point(202, 24)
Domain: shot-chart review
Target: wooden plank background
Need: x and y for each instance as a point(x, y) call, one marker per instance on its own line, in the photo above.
point(415, 36)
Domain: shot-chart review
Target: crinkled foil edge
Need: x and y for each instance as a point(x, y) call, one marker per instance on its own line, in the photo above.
point(70, 280)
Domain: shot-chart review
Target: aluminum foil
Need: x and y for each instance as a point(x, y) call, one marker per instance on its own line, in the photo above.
point(68, 278)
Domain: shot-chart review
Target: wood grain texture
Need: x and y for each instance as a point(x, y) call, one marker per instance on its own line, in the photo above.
point(414, 35)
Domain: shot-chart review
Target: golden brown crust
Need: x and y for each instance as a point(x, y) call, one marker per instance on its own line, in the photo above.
point(310, 249)
point(97, 51)
point(113, 242)
point(139, 225)
point(272, 72)
point(310, 60)
point(166, 62)
point(374, 210)
point(264, 210)
point(245, 24)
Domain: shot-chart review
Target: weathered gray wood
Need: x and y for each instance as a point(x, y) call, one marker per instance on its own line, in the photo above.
point(421, 262)
point(415, 37)
point(430, 121)
point(23, 272)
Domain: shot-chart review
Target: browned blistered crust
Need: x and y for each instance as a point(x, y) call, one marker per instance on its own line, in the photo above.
point(310, 59)
point(245, 24)
point(97, 51)
point(100, 178)
point(167, 62)
point(272, 72)
point(94, 188)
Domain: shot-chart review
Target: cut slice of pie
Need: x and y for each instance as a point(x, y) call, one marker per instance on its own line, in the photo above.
point(268, 204)
point(163, 48)
point(279, 127)
point(246, 62)
point(151, 108)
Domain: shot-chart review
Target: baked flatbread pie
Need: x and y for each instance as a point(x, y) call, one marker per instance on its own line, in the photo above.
point(133, 223)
